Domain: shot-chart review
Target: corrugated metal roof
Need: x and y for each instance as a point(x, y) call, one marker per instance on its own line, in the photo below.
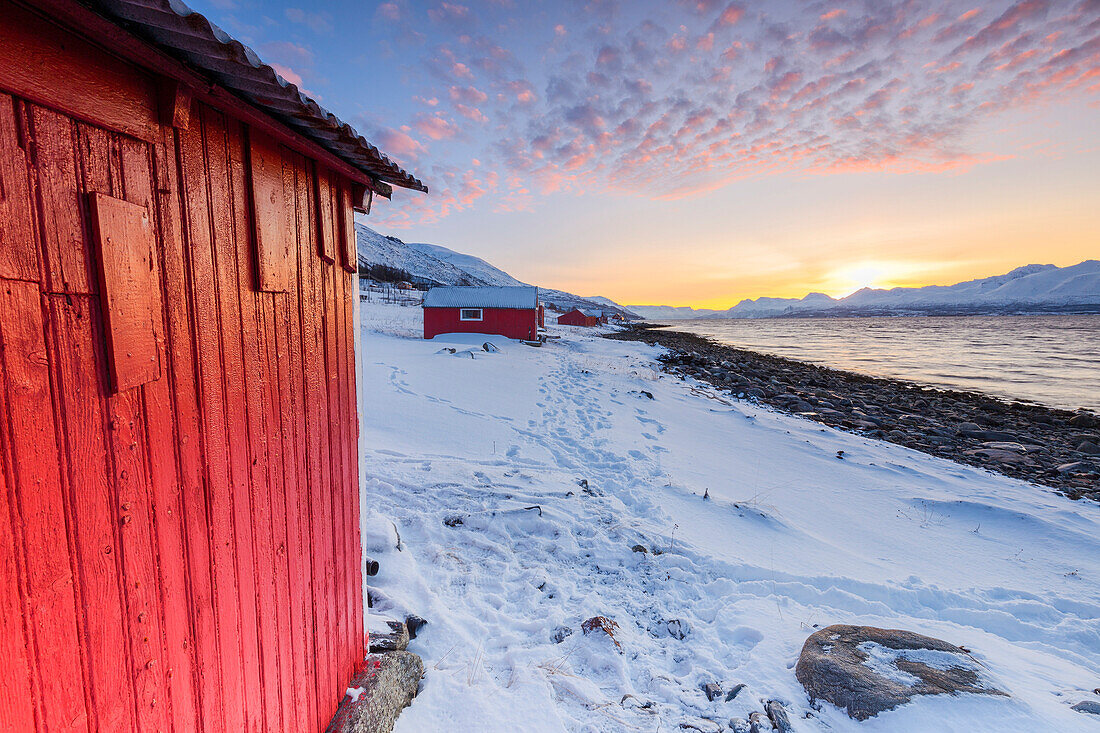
point(482, 297)
point(191, 38)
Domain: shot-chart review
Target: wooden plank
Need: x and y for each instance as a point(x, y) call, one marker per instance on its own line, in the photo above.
point(81, 334)
point(76, 339)
point(194, 651)
point(329, 274)
point(17, 696)
point(351, 304)
point(349, 553)
point(19, 254)
point(174, 103)
point(44, 63)
point(311, 366)
point(361, 197)
point(292, 415)
point(218, 521)
point(349, 244)
point(342, 422)
point(268, 205)
point(234, 374)
point(66, 244)
point(125, 239)
point(129, 444)
point(283, 524)
point(238, 274)
point(36, 482)
point(326, 242)
point(351, 436)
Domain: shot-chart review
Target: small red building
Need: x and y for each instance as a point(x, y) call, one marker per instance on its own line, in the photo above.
point(179, 468)
point(577, 317)
point(504, 311)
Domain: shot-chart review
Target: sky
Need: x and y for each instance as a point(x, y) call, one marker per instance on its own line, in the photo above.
point(697, 152)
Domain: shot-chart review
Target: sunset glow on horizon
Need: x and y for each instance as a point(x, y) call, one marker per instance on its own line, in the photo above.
point(698, 152)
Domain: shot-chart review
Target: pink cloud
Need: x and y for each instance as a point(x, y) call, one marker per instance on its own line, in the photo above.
point(471, 113)
point(468, 95)
point(449, 13)
point(398, 143)
point(522, 90)
point(731, 15)
point(435, 127)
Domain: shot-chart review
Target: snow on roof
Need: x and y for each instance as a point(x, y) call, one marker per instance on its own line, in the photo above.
point(482, 297)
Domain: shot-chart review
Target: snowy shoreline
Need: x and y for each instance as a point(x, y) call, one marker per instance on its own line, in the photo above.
point(615, 453)
point(1024, 440)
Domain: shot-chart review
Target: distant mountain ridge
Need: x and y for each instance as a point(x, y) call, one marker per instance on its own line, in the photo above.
point(434, 264)
point(1027, 289)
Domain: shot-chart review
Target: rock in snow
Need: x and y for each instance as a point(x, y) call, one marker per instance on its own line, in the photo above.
point(1088, 706)
point(867, 670)
point(560, 634)
point(378, 693)
point(604, 624)
point(396, 639)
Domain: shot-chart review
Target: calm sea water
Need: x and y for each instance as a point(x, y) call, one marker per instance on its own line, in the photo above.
point(1050, 359)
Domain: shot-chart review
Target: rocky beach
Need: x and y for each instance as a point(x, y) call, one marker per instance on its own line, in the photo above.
point(1031, 442)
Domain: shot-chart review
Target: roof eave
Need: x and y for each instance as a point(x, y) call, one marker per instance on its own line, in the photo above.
point(172, 40)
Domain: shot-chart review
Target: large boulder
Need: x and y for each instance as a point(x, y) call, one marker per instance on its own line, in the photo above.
point(867, 670)
point(378, 693)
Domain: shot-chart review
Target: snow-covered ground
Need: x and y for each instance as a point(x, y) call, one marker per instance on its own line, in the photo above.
point(480, 461)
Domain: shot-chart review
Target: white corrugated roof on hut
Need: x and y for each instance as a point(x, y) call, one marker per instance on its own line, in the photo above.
point(471, 296)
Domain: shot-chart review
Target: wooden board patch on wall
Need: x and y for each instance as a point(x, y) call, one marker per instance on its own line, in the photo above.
point(350, 245)
point(269, 208)
point(128, 283)
point(327, 198)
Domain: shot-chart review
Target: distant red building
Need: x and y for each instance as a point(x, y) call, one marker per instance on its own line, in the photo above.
point(577, 317)
point(504, 311)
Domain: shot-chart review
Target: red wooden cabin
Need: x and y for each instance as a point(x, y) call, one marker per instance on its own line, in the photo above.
point(179, 491)
point(577, 317)
point(504, 311)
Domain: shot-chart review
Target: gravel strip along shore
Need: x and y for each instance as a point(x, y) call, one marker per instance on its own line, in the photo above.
point(1048, 446)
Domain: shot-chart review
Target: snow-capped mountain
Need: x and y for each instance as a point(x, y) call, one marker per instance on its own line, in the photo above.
point(1032, 288)
point(469, 264)
point(434, 264)
point(378, 249)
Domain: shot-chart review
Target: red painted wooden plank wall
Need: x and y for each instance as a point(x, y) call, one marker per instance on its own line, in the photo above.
point(183, 554)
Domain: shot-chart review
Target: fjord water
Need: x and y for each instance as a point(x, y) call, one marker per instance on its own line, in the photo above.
point(1050, 359)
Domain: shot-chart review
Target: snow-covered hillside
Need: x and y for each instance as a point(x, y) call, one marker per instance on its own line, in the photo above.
point(436, 264)
point(1032, 287)
point(520, 481)
point(475, 266)
point(378, 249)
